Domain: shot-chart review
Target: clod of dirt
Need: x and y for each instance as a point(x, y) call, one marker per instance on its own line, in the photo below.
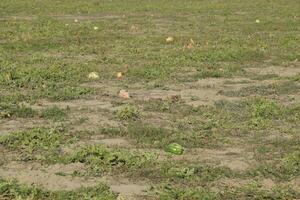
point(124, 94)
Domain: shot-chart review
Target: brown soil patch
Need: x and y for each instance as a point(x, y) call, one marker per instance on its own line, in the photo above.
point(295, 183)
point(47, 177)
point(280, 71)
point(80, 104)
point(227, 182)
point(201, 92)
point(98, 140)
point(268, 183)
point(126, 189)
point(68, 57)
point(115, 142)
point(236, 159)
point(18, 125)
point(19, 18)
point(92, 121)
point(87, 17)
point(194, 97)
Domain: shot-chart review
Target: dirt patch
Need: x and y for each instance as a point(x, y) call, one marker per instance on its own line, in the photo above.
point(235, 165)
point(18, 18)
point(227, 182)
point(73, 58)
point(80, 104)
point(91, 121)
point(268, 183)
point(87, 17)
point(48, 177)
point(193, 97)
point(126, 189)
point(236, 159)
point(59, 177)
point(115, 142)
point(289, 99)
point(157, 119)
point(295, 183)
point(202, 92)
point(280, 71)
point(9, 126)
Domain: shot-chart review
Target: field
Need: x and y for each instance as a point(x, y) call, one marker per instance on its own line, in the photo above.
point(220, 78)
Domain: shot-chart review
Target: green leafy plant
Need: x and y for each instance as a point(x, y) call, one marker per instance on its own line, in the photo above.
point(128, 112)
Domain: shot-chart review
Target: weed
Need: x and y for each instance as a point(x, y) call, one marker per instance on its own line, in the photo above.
point(262, 110)
point(103, 160)
point(38, 143)
point(167, 192)
point(128, 112)
point(10, 110)
point(54, 113)
point(13, 190)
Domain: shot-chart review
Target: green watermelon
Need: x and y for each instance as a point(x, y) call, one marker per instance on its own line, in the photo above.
point(175, 148)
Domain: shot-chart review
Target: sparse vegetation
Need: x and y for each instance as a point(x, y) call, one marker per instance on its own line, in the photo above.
point(10, 110)
point(54, 113)
point(103, 160)
point(128, 112)
point(218, 78)
point(13, 190)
